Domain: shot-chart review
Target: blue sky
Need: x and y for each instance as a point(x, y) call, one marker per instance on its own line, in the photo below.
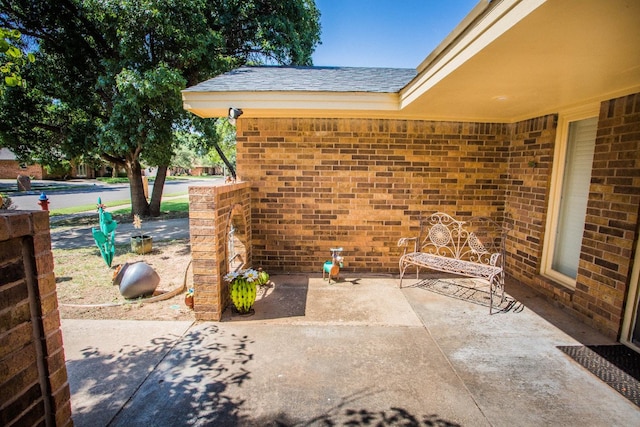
point(385, 33)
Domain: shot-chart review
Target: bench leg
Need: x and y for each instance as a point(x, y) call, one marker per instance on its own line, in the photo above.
point(403, 269)
point(496, 287)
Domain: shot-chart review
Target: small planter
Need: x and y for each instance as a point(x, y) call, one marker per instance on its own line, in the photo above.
point(243, 288)
point(141, 244)
point(188, 298)
point(188, 301)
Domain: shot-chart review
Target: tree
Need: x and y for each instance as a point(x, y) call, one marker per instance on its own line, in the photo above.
point(108, 73)
point(12, 58)
point(208, 142)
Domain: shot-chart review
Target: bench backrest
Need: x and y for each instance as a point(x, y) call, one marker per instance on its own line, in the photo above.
point(479, 239)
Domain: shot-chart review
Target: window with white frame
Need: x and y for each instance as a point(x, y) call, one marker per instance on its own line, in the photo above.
point(571, 178)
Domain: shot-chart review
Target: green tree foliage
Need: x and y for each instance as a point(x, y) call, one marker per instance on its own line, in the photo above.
point(12, 58)
point(108, 74)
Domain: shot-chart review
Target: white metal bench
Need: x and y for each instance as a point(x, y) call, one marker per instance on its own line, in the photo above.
point(473, 248)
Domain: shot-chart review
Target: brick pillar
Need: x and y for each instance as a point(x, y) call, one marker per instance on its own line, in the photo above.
point(210, 212)
point(35, 388)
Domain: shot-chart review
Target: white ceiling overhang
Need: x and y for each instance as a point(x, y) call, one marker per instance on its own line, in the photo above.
point(508, 60)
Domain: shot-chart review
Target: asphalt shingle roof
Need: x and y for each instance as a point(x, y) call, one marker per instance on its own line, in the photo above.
point(309, 79)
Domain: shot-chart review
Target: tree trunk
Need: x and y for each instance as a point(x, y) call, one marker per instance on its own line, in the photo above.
point(139, 204)
point(226, 161)
point(158, 186)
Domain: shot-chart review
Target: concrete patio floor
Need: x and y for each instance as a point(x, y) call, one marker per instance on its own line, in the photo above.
point(358, 352)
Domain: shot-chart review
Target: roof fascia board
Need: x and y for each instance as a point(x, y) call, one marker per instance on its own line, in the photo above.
point(463, 26)
point(486, 26)
point(216, 104)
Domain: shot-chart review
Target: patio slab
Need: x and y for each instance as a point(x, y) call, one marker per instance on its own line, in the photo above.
point(107, 360)
point(359, 352)
point(511, 365)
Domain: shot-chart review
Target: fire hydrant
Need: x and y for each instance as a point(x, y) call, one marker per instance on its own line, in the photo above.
point(43, 201)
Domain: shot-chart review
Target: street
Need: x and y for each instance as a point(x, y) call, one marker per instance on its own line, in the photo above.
point(86, 192)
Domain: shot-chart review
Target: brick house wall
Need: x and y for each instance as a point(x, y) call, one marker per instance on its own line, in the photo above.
point(33, 377)
point(361, 184)
point(612, 215)
point(611, 224)
point(10, 169)
point(527, 201)
point(211, 210)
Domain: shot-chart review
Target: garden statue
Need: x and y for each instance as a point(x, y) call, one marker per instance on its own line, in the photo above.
point(105, 237)
point(332, 268)
point(136, 279)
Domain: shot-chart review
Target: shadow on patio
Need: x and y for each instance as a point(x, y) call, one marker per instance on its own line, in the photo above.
point(358, 352)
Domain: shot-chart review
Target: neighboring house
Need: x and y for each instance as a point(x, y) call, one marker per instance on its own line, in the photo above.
point(10, 168)
point(529, 110)
point(206, 170)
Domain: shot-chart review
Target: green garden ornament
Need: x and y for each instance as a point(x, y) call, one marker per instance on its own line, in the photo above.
point(105, 237)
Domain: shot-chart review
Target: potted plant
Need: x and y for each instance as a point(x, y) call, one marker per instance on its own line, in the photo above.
point(243, 288)
point(140, 244)
point(188, 298)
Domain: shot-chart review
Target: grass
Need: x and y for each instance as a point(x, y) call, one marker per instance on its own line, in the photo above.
point(125, 180)
point(91, 281)
point(85, 208)
point(175, 205)
point(181, 205)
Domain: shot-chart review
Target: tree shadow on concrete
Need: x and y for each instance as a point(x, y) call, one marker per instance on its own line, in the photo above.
point(346, 413)
point(172, 381)
point(194, 380)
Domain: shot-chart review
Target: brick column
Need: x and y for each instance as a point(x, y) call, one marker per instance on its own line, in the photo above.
point(612, 216)
point(210, 211)
point(35, 388)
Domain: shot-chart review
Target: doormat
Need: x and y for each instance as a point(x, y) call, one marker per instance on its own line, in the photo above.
point(616, 365)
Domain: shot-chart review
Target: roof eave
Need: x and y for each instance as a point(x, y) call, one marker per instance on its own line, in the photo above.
point(484, 24)
point(288, 104)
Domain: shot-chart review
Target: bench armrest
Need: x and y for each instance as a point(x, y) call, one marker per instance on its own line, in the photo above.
point(405, 241)
point(496, 259)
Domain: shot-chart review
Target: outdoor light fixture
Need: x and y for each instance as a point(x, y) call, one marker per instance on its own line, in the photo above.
point(234, 113)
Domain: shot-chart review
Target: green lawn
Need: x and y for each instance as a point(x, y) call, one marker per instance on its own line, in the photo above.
point(180, 204)
point(175, 205)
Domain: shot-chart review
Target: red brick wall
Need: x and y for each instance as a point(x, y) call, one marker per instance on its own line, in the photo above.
point(32, 393)
point(361, 184)
point(530, 163)
point(210, 209)
point(612, 215)
point(10, 169)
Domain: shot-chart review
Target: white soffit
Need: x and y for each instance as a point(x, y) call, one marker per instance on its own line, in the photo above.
point(523, 59)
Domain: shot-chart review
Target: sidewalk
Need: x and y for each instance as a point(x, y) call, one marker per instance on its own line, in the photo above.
point(359, 352)
point(82, 237)
point(160, 230)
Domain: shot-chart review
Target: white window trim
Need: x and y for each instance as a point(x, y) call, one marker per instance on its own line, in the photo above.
point(555, 191)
